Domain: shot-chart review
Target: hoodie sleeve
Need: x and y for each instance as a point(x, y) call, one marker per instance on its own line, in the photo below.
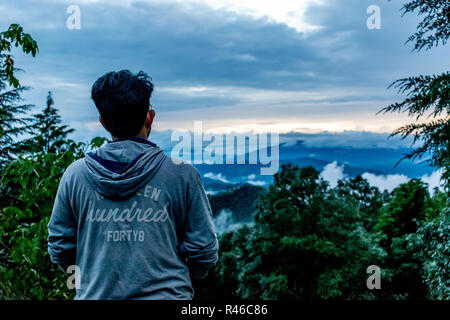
point(62, 228)
point(200, 244)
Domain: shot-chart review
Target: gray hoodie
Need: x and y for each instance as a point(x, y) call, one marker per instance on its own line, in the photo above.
point(137, 224)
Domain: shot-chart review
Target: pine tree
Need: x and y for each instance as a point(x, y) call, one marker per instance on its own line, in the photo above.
point(308, 242)
point(12, 122)
point(49, 135)
point(427, 96)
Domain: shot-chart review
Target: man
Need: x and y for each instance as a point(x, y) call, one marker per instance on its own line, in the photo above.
point(135, 223)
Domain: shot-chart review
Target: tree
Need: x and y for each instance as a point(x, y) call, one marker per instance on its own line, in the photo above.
point(405, 218)
point(367, 198)
point(12, 122)
point(222, 282)
point(48, 134)
point(406, 211)
point(398, 221)
point(432, 245)
point(17, 37)
point(435, 27)
point(427, 95)
point(308, 242)
point(30, 183)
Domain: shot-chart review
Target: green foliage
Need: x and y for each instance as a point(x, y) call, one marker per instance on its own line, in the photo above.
point(367, 198)
point(30, 172)
point(223, 280)
point(406, 210)
point(399, 221)
point(14, 36)
point(432, 244)
point(427, 95)
point(435, 26)
point(12, 121)
point(309, 241)
point(415, 226)
point(28, 187)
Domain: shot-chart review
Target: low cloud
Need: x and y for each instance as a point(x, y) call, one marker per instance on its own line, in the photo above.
point(434, 181)
point(224, 222)
point(332, 173)
point(250, 179)
point(385, 182)
point(217, 177)
point(258, 183)
point(348, 139)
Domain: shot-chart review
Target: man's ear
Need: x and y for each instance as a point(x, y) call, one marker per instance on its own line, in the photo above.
point(150, 116)
point(101, 121)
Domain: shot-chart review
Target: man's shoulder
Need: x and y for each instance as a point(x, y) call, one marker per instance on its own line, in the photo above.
point(180, 168)
point(174, 169)
point(75, 168)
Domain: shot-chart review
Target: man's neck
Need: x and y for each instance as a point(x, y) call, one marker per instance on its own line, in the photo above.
point(141, 136)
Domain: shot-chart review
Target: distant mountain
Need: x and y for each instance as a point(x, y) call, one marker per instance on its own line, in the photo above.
point(215, 185)
point(233, 189)
point(320, 164)
point(357, 152)
point(356, 161)
point(381, 160)
point(240, 201)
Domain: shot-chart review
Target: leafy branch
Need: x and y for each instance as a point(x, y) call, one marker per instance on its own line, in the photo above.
point(15, 36)
point(435, 27)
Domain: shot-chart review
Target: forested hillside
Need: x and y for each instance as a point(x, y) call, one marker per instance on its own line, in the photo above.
point(310, 241)
point(240, 200)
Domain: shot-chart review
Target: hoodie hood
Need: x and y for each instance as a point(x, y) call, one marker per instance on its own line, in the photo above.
point(119, 169)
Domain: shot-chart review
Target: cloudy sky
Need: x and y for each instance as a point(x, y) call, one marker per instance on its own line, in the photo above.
point(302, 65)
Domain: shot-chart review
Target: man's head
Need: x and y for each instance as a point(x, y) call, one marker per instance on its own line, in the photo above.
point(123, 100)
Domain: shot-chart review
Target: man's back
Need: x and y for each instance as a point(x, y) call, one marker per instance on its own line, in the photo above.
point(133, 221)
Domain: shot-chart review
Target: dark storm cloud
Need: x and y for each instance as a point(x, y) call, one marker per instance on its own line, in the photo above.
point(182, 45)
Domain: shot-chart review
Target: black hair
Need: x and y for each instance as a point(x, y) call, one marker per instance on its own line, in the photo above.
point(123, 100)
